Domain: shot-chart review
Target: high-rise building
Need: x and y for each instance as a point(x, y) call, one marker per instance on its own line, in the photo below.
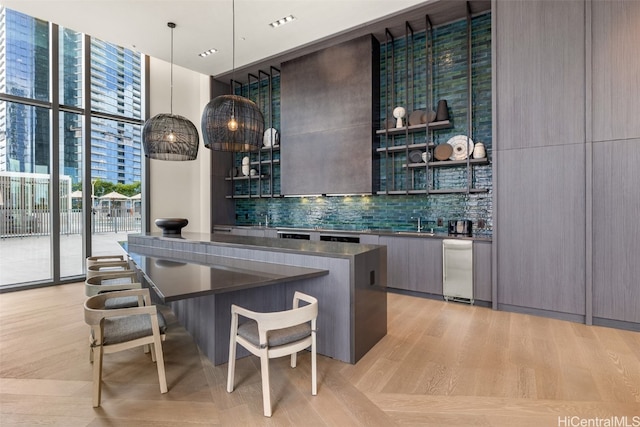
point(115, 77)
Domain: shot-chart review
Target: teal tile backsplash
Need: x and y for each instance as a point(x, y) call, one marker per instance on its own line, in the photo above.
point(396, 211)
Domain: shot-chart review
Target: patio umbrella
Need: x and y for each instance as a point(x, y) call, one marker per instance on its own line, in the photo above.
point(76, 194)
point(136, 197)
point(114, 195)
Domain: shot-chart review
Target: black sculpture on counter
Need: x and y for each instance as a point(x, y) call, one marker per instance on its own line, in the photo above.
point(171, 227)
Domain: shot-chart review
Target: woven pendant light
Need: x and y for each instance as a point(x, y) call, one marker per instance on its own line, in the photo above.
point(169, 136)
point(232, 122)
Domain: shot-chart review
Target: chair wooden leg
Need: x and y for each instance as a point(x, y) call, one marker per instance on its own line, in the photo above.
point(156, 349)
point(314, 369)
point(97, 375)
point(266, 394)
point(231, 370)
point(294, 359)
point(152, 350)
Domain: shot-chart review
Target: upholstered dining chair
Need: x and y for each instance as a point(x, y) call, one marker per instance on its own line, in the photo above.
point(275, 334)
point(114, 330)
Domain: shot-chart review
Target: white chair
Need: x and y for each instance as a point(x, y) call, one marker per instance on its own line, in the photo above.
point(275, 334)
point(115, 330)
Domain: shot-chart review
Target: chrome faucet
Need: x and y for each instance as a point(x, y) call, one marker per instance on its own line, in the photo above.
point(419, 223)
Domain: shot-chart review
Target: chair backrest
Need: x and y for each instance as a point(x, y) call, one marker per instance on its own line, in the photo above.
point(107, 268)
point(284, 319)
point(96, 259)
point(122, 280)
point(95, 306)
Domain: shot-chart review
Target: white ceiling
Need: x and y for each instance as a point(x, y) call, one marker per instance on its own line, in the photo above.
point(205, 24)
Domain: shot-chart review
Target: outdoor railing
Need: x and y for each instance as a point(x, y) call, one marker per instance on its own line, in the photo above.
point(36, 222)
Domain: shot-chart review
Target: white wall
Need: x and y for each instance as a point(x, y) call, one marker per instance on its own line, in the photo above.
point(180, 189)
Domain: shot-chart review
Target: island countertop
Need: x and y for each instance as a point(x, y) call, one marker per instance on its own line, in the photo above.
point(320, 248)
point(175, 279)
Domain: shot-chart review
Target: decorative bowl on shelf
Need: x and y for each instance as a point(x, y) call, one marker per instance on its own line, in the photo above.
point(429, 116)
point(462, 147)
point(171, 226)
point(415, 156)
point(416, 117)
point(442, 152)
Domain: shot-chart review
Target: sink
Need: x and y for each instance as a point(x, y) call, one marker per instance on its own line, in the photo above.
point(413, 233)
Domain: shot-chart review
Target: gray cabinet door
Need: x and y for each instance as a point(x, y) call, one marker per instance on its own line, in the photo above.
point(397, 261)
point(541, 239)
point(615, 38)
point(482, 271)
point(414, 263)
point(425, 265)
point(540, 73)
point(616, 230)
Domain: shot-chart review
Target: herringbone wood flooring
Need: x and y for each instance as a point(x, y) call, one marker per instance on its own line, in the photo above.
point(441, 364)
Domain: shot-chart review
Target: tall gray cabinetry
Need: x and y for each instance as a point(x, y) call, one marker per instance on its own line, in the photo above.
point(566, 151)
point(615, 141)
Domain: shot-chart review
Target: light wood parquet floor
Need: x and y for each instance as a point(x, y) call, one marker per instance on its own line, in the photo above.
point(441, 364)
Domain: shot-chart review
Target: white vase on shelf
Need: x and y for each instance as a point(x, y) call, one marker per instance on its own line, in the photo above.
point(479, 151)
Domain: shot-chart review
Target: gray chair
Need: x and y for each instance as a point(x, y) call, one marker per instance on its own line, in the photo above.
point(276, 334)
point(115, 330)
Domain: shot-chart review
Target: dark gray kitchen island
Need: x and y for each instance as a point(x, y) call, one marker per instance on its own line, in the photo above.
point(200, 275)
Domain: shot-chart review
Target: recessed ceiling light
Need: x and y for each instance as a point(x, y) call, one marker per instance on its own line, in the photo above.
point(207, 53)
point(281, 21)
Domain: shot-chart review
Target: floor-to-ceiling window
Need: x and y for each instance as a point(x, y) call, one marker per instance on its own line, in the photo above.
point(70, 149)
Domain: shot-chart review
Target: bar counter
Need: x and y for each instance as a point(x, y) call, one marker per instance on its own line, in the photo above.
point(200, 275)
point(175, 279)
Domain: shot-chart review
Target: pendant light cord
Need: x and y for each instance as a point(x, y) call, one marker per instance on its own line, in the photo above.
point(233, 57)
point(233, 41)
point(172, 26)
